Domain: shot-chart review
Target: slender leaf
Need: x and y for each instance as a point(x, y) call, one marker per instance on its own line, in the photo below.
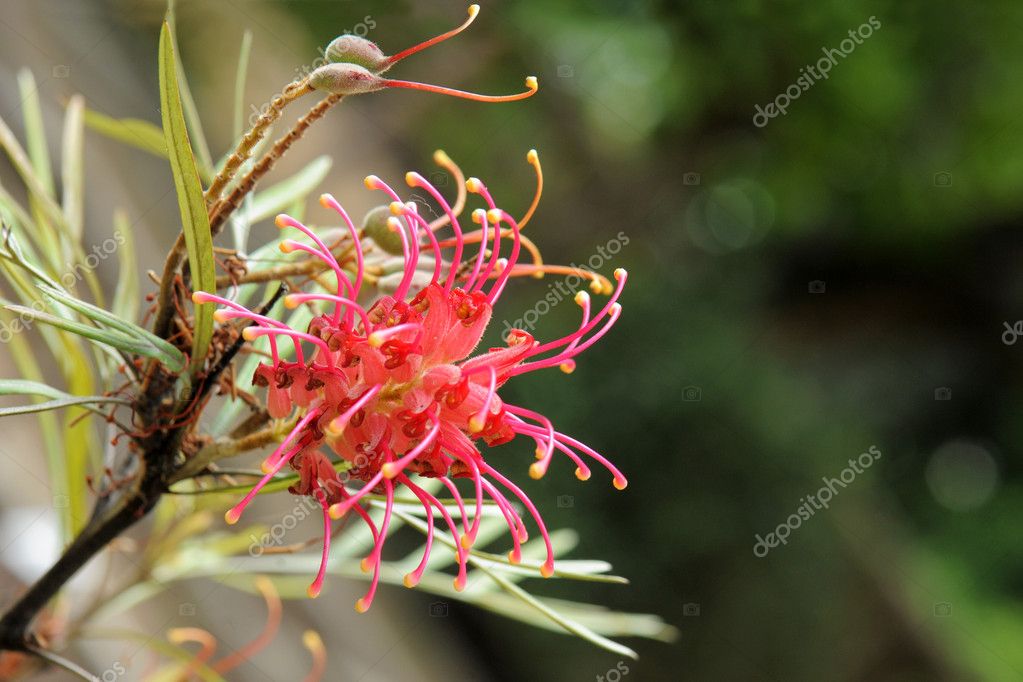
point(71, 166)
point(204, 160)
point(194, 221)
point(126, 295)
point(132, 131)
point(280, 196)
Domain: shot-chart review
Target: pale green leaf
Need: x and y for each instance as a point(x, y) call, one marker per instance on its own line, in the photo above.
point(133, 131)
point(194, 220)
point(71, 167)
point(126, 295)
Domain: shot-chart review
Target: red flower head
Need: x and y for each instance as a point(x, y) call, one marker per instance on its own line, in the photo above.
point(395, 385)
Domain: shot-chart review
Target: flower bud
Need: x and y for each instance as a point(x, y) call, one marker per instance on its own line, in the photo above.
point(345, 79)
point(374, 225)
point(352, 49)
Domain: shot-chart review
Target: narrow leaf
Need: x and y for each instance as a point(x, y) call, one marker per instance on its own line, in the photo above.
point(71, 166)
point(126, 295)
point(132, 131)
point(194, 220)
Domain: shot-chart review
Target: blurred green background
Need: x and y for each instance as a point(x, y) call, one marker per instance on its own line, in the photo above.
point(835, 280)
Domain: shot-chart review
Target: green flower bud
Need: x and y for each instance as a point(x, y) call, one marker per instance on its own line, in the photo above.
point(374, 225)
point(345, 79)
point(351, 49)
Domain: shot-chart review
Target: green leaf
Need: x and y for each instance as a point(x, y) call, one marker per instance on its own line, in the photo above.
point(58, 399)
point(277, 198)
point(71, 167)
point(126, 295)
point(172, 357)
point(194, 221)
point(241, 75)
point(203, 157)
point(132, 131)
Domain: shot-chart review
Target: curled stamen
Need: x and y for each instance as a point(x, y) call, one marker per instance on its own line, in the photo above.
point(391, 61)
point(478, 420)
point(531, 87)
point(416, 180)
point(534, 160)
point(328, 201)
point(317, 584)
point(273, 622)
point(314, 644)
point(363, 603)
point(253, 333)
point(292, 301)
point(377, 338)
point(445, 162)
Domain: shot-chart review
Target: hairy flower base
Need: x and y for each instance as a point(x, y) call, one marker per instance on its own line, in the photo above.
point(394, 388)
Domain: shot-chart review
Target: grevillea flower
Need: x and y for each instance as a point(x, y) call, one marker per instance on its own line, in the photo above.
point(396, 387)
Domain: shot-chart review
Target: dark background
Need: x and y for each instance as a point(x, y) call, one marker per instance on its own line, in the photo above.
point(836, 280)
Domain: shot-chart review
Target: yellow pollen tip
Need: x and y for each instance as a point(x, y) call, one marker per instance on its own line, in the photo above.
point(616, 308)
point(459, 584)
point(514, 558)
point(494, 215)
point(371, 182)
point(478, 215)
point(620, 483)
point(619, 273)
point(473, 11)
point(532, 83)
point(536, 471)
point(397, 208)
point(523, 535)
point(409, 581)
point(465, 541)
point(441, 158)
point(546, 570)
point(325, 200)
point(361, 606)
point(286, 247)
point(265, 466)
point(567, 367)
point(532, 157)
point(580, 298)
point(473, 185)
point(389, 470)
point(365, 566)
point(250, 333)
point(232, 516)
point(199, 297)
point(313, 591)
point(475, 424)
point(334, 512)
point(220, 316)
point(539, 452)
point(292, 301)
point(393, 224)
point(596, 287)
point(376, 340)
point(582, 475)
point(281, 220)
point(312, 640)
point(410, 179)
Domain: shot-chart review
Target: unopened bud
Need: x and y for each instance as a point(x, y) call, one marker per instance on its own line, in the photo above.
point(375, 226)
point(352, 49)
point(345, 79)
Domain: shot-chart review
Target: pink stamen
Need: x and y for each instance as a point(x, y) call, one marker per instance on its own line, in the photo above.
point(547, 569)
point(412, 579)
point(274, 462)
point(235, 512)
point(478, 421)
point(359, 310)
point(323, 253)
point(502, 279)
point(434, 245)
point(460, 552)
point(328, 201)
point(251, 333)
point(414, 179)
point(363, 604)
point(616, 311)
point(515, 524)
point(479, 216)
point(392, 469)
point(317, 584)
point(621, 276)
